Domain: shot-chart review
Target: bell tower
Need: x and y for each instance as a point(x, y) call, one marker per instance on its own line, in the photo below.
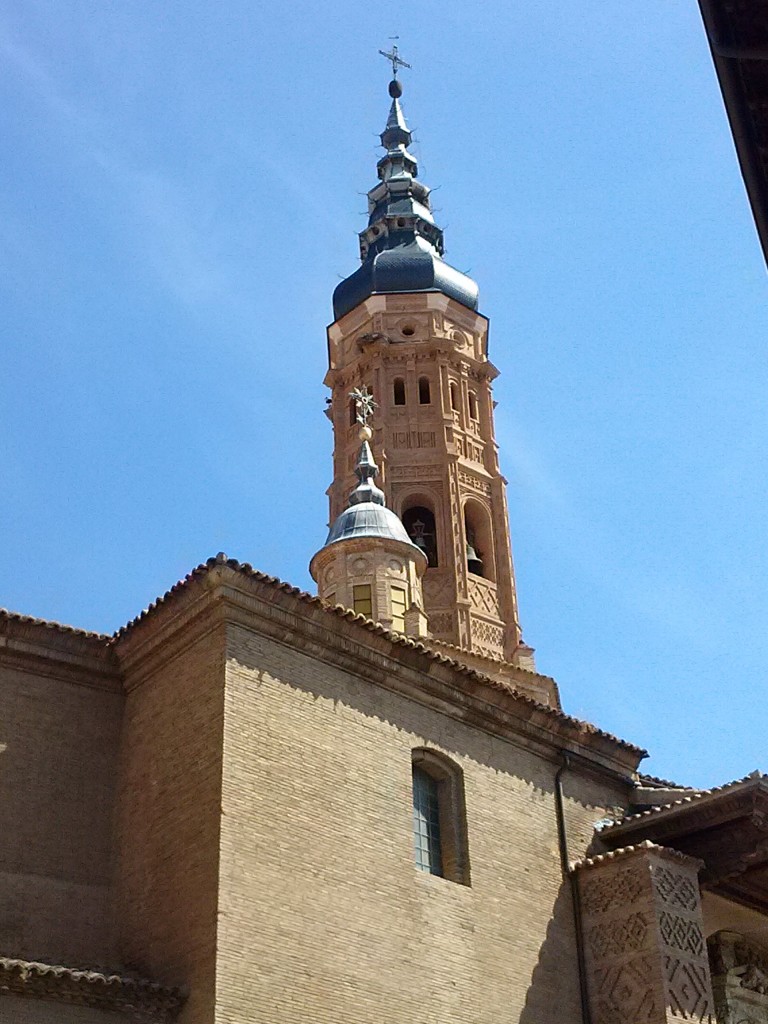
point(406, 326)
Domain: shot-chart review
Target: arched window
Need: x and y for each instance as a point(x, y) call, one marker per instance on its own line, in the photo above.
point(439, 817)
point(424, 396)
point(473, 405)
point(419, 523)
point(479, 540)
point(398, 391)
point(453, 390)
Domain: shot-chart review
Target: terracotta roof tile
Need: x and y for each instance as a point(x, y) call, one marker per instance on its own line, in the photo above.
point(652, 782)
point(695, 797)
point(338, 610)
point(632, 851)
point(59, 627)
point(374, 627)
point(90, 988)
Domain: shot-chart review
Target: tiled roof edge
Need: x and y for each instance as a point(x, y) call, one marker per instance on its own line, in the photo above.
point(633, 851)
point(653, 782)
point(88, 987)
point(59, 627)
point(695, 797)
point(496, 661)
point(374, 627)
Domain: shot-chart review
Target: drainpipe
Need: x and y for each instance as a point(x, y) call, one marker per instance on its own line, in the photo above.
point(568, 874)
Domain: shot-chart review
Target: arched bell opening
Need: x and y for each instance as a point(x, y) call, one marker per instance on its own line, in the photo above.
point(398, 391)
point(453, 391)
point(425, 397)
point(478, 534)
point(419, 523)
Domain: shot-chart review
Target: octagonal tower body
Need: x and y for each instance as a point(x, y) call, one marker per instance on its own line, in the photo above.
point(407, 327)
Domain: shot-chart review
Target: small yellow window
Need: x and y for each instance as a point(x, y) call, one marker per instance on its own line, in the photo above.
point(398, 609)
point(361, 599)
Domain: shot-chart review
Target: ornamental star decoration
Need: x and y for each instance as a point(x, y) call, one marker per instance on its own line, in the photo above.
point(364, 404)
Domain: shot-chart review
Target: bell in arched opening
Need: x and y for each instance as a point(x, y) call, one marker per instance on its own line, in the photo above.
point(417, 535)
point(474, 561)
point(419, 523)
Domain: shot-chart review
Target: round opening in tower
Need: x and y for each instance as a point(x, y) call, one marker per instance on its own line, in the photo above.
point(408, 331)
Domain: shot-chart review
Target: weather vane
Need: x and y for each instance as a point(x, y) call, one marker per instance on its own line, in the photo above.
point(397, 61)
point(364, 404)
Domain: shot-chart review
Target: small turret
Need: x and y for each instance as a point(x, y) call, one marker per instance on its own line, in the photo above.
point(369, 563)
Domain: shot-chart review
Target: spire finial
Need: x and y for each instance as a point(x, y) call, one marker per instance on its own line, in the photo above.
point(366, 469)
point(397, 60)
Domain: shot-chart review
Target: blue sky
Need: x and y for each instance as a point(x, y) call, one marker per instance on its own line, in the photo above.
point(182, 187)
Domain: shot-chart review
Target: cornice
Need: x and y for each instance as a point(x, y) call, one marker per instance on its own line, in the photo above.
point(56, 651)
point(226, 592)
point(143, 1000)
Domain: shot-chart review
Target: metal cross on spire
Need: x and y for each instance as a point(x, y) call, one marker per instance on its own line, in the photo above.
point(397, 61)
point(364, 404)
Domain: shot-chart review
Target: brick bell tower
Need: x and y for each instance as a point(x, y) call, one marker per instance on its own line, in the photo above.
point(406, 326)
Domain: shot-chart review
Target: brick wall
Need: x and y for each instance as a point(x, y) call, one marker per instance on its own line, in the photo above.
point(58, 754)
point(323, 917)
point(168, 821)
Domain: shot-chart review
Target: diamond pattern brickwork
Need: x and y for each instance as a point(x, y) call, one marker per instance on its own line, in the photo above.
point(644, 947)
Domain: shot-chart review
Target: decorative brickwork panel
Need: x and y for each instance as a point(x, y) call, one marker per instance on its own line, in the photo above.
point(487, 638)
point(675, 889)
point(689, 988)
point(644, 947)
point(625, 992)
point(614, 937)
point(684, 951)
point(617, 890)
point(682, 934)
point(484, 598)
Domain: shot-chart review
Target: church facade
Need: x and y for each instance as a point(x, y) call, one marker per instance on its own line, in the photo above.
point(255, 806)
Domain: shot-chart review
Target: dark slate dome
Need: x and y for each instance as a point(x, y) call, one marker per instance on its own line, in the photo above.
point(402, 248)
point(411, 266)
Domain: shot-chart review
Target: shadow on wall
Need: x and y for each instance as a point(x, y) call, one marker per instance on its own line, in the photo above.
point(555, 978)
point(299, 671)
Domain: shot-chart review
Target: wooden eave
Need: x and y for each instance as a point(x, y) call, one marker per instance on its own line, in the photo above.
point(737, 31)
point(727, 829)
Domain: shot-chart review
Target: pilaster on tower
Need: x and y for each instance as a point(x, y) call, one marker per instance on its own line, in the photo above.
point(407, 327)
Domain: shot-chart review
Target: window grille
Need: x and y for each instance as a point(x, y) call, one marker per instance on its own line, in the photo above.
point(426, 823)
point(440, 839)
